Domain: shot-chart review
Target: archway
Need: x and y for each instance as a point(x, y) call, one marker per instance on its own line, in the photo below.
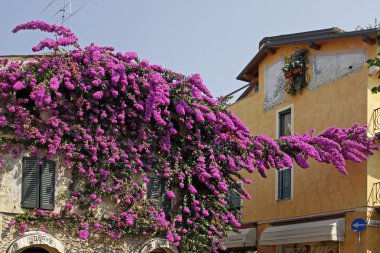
point(36, 242)
point(158, 245)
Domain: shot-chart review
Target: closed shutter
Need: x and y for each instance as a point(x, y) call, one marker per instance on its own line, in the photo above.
point(156, 191)
point(286, 183)
point(47, 188)
point(166, 204)
point(154, 188)
point(30, 182)
point(233, 200)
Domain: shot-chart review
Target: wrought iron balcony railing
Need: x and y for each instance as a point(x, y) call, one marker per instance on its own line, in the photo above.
point(374, 197)
point(374, 122)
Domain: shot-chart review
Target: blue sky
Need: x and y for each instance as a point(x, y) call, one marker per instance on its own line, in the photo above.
point(215, 38)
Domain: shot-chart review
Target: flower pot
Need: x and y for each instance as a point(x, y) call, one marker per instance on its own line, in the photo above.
point(297, 71)
point(288, 74)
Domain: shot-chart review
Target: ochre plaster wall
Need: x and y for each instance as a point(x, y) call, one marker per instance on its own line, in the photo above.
point(321, 188)
point(373, 161)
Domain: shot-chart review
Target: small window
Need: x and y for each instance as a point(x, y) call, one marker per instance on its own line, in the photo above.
point(284, 176)
point(233, 200)
point(156, 191)
point(38, 183)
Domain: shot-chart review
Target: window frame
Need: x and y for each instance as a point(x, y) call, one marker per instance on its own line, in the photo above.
point(279, 113)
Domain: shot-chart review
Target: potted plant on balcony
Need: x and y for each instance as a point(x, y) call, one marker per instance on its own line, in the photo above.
point(295, 71)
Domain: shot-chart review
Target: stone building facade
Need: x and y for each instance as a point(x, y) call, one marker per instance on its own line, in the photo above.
point(55, 241)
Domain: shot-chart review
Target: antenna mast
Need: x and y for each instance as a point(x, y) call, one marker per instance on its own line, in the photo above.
point(66, 10)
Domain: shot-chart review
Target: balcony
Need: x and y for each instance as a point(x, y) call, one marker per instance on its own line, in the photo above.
point(374, 197)
point(374, 123)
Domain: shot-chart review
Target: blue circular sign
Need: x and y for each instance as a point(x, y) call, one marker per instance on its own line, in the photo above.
point(358, 224)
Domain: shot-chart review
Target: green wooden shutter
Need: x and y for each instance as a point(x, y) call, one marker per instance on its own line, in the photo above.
point(30, 182)
point(233, 200)
point(286, 183)
point(279, 185)
point(47, 186)
point(166, 204)
point(156, 191)
point(154, 188)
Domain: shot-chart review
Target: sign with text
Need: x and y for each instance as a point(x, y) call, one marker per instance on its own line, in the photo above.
point(374, 223)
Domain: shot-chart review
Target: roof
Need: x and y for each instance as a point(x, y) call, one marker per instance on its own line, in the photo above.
point(268, 44)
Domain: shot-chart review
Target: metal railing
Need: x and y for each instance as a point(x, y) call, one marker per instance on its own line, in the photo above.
point(374, 197)
point(374, 122)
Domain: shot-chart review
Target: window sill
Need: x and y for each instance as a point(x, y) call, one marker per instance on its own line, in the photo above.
point(284, 200)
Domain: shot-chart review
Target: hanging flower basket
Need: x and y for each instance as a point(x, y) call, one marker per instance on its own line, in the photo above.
point(288, 74)
point(297, 71)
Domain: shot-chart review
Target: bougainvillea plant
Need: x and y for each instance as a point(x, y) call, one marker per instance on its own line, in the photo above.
point(113, 119)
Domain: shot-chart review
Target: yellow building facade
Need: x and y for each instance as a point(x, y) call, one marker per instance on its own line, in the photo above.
point(320, 203)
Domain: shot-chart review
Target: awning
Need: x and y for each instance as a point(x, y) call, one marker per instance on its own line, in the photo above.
point(247, 238)
point(327, 230)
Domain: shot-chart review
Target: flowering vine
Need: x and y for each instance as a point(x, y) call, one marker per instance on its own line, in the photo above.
point(114, 119)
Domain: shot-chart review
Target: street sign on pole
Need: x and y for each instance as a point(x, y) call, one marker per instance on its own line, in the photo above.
point(358, 225)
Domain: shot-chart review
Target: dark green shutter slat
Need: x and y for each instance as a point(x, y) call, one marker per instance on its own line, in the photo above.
point(286, 185)
point(280, 183)
point(47, 190)
point(30, 182)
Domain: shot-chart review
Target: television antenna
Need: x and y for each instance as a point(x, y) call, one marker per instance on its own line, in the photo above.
point(65, 9)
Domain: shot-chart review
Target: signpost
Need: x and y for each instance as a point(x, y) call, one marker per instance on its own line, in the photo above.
point(358, 225)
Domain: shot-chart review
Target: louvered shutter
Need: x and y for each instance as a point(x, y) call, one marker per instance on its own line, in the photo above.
point(47, 188)
point(166, 204)
point(30, 182)
point(234, 200)
point(286, 183)
point(154, 188)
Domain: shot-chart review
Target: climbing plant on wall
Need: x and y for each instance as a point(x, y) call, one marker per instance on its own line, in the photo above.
point(114, 119)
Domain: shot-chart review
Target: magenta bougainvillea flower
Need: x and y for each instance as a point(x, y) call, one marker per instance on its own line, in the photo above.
point(114, 120)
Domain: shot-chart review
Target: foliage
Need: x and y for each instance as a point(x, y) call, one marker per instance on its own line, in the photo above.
point(375, 62)
point(295, 71)
point(113, 119)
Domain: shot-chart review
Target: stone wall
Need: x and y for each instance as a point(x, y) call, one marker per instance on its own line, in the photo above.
point(74, 245)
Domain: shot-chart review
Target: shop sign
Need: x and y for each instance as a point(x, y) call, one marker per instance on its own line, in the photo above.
point(35, 238)
point(374, 223)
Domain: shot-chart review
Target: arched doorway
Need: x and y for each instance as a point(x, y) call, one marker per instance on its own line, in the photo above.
point(36, 242)
point(158, 245)
point(35, 250)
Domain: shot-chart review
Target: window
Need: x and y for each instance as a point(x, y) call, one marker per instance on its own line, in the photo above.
point(233, 200)
point(284, 176)
point(156, 191)
point(38, 183)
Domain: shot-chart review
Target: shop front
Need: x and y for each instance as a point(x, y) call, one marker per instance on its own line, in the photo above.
point(309, 237)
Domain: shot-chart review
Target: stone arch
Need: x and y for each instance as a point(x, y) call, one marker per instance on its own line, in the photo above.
point(36, 239)
point(155, 244)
